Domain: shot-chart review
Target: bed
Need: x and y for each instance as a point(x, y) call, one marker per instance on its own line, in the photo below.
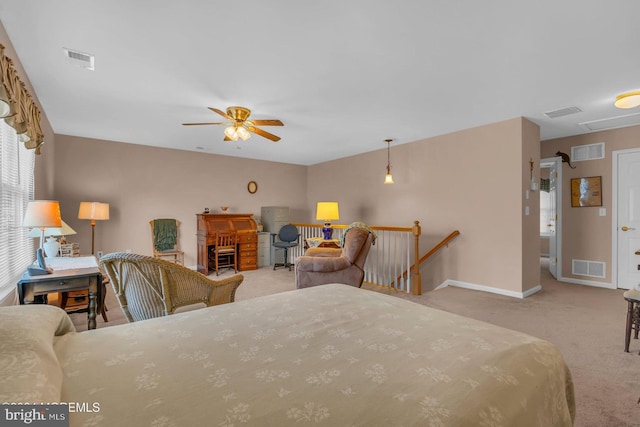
point(330, 355)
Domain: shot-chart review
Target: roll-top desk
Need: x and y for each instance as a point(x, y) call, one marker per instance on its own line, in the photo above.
point(243, 224)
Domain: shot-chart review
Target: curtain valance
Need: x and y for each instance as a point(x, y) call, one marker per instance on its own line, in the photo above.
point(17, 107)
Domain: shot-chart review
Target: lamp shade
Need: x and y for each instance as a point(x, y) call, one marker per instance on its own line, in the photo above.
point(65, 230)
point(93, 211)
point(327, 211)
point(42, 214)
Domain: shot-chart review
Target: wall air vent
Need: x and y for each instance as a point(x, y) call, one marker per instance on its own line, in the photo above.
point(562, 112)
point(84, 60)
point(581, 267)
point(587, 152)
point(612, 122)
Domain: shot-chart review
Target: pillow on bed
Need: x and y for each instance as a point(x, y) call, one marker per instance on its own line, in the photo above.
point(29, 368)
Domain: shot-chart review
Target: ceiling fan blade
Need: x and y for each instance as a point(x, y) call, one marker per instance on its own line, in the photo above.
point(267, 122)
point(263, 133)
point(222, 113)
point(197, 124)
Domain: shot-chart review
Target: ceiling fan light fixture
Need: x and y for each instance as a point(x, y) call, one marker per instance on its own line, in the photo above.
point(231, 133)
point(238, 125)
point(628, 99)
point(243, 133)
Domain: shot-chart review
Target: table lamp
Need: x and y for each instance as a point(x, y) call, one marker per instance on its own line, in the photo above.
point(41, 214)
point(327, 212)
point(52, 245)
point(93, 211)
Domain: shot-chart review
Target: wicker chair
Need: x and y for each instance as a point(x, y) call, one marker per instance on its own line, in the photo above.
point(148, 287)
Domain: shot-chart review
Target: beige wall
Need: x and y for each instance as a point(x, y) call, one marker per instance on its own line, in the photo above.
point(530, 221)
point(585, 234)
point(142, 183)
point(472, 180)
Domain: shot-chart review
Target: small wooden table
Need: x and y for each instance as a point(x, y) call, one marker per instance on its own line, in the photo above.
point(64, 281)
point(319, 242)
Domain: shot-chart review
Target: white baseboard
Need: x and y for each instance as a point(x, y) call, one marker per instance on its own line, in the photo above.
point(8, 296)
point(483, 288)
point(587, 282)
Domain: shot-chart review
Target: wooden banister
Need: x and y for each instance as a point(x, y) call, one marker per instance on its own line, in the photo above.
point(416, 287)
point(435, 249)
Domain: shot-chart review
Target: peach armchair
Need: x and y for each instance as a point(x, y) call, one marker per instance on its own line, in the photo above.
point(319, 266)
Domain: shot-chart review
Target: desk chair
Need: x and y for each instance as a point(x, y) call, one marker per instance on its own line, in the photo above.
point(164, 238)
point(287, 237)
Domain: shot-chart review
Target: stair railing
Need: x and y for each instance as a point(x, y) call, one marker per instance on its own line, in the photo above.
point(444, 242)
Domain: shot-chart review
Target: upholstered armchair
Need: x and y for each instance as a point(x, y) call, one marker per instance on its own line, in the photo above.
point(319, 266)
point(148, 287)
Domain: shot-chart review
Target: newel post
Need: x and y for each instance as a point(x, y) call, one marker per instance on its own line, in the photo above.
point(416, 287)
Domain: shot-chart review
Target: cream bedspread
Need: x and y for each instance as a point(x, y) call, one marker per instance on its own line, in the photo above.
point(330, 355)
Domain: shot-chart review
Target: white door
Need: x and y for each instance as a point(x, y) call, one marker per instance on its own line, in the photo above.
point(553, 251)
point(553, 217)
point(627, 226)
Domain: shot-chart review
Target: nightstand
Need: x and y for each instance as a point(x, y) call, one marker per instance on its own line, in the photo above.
point(64, 281)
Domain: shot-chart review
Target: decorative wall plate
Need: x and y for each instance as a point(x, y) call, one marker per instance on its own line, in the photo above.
point(252, 187)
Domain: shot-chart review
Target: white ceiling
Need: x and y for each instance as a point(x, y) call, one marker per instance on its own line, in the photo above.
point(342, 75)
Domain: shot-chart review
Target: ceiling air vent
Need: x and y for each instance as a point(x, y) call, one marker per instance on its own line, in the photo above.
point(612, 123)
point(587, 152)
point(84, 60)
point(562, 112)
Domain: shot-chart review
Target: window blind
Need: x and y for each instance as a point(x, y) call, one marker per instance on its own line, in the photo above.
point(17, 250)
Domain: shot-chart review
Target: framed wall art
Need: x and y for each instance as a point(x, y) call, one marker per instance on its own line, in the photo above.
point(586, 191)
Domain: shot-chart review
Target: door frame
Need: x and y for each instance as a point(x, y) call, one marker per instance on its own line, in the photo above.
point(614, 212)
point(557, 162)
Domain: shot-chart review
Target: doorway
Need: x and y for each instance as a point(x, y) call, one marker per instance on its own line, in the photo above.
point(626, 218)
point(551, 213)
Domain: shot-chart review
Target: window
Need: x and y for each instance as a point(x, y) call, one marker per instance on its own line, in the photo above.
point(16, 189)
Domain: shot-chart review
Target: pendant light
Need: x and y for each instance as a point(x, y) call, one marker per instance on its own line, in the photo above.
point(388, 179)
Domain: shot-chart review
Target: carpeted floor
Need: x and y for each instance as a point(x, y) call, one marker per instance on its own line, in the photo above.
point(585, 323)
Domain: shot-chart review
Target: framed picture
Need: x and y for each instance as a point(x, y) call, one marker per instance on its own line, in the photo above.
point(586, 191)
point(252, 187)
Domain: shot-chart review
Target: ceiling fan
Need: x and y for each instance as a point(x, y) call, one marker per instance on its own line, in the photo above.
point(239, 125)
